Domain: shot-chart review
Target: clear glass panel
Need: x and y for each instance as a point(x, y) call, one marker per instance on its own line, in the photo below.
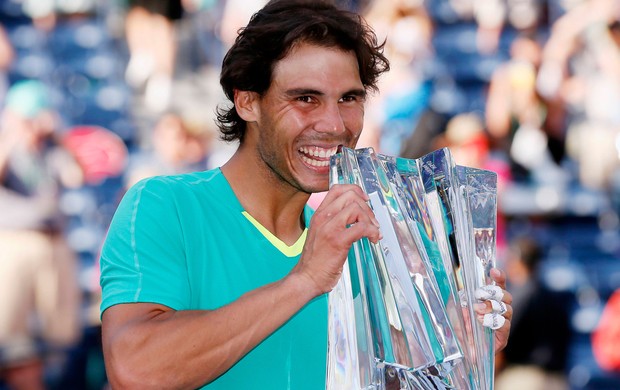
point(402, 316)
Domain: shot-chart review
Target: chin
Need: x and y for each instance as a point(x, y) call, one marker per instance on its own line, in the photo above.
point(321, 189)
point(316, 186)
point(313, 189)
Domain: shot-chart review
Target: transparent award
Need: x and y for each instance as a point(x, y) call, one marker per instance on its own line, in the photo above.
point(401, 316)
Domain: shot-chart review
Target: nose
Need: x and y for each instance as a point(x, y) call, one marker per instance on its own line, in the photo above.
point(330, 119)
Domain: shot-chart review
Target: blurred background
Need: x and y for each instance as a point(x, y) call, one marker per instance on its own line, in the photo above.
point(95, 95)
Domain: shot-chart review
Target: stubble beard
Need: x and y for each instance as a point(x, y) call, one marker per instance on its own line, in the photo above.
point(284, 178)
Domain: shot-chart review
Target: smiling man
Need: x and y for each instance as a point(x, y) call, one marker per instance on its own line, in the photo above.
point(219, 278)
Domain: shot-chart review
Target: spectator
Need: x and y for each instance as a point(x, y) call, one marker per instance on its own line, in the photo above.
point(535, 357)
point(467, 140)
point(522, 124)
point(405, 91)
point(152, 43)
point(180, 144)
point(581, 68)
point(37, 268)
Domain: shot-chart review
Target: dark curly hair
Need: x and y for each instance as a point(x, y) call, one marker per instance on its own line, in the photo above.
point(273, 31)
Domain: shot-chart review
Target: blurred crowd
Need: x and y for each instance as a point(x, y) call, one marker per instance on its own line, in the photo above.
point(96, 95)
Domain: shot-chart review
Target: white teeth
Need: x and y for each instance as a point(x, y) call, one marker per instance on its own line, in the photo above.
point(316, 151)
point(315, 163)
point(316, 156)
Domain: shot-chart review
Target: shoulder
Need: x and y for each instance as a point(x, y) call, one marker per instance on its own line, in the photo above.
point(178, 183)
point(167, 192)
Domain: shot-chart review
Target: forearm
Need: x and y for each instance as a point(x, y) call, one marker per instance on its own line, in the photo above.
point(185, 349)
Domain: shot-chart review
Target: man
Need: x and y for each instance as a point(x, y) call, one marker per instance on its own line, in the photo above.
point(220, 277)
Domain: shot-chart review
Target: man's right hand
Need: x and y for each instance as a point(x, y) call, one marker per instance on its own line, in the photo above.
point(343, 217)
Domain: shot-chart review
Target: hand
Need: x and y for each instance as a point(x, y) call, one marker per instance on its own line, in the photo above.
point(343, 217)
point(495, 310)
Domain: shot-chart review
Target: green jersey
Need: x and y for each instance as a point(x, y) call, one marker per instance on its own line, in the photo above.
point(185, 242)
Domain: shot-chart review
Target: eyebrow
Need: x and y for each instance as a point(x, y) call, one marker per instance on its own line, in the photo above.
point(357, 92)
point(309, 91)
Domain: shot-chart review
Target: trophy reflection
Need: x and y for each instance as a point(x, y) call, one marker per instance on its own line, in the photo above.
point(402, 316)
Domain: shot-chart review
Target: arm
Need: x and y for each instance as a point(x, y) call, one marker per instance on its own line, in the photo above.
point(150, 345)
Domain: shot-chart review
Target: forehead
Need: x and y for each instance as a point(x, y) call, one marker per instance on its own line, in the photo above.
point(310, 65)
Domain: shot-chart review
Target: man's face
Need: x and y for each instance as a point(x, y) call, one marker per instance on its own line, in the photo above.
point(315, 103)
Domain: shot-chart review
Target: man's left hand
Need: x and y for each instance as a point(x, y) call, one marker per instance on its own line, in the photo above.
point(495, 310)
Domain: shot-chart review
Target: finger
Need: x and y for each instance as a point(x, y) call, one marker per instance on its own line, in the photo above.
point(499, 307)
point(352, 223)
point(499, 277)
point(352, 213)
point(489, 292)
point(493, 321)
point(360, 230)
point(491, 306)
point(361, 222)
point(338, 190)
point(507, 298)
point(330, 208)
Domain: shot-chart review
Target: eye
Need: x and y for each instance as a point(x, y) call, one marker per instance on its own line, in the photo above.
point(351, 98)
point(305, 99)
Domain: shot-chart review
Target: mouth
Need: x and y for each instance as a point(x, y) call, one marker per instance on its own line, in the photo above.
point(317, 156)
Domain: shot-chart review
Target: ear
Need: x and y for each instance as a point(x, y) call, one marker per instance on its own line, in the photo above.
point(246, 104)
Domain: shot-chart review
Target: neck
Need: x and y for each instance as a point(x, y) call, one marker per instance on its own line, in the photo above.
point(272, 202)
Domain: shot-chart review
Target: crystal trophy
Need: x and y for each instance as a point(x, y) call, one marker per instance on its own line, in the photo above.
point(451, 189)
point(401, 314)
